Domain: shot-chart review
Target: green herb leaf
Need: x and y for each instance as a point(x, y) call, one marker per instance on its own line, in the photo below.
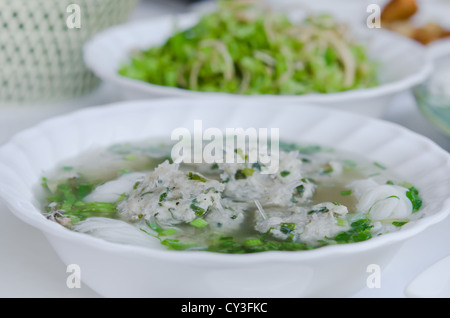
point(346, 192)
point(226, 51)
point(285, 173)
point(359, 231)
point(379, 165)
point(320, 210)
point(197, 209)
point(199, 222)
point(413, 195)
point(248, 172)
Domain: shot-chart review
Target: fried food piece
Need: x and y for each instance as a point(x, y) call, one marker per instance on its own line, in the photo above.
point(396, 17)
point(430, 32)
point(397, 10)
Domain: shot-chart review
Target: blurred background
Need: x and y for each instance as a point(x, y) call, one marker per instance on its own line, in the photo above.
point(42, 71)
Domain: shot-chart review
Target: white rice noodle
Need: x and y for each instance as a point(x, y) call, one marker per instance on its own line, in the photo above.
point(117, 231)
point(112, 190)
point(381, 202)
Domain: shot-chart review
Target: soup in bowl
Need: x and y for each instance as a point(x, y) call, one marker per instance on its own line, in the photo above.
point(119, 197)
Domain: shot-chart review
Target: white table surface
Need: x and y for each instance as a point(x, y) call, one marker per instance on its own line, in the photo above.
point(30, 268)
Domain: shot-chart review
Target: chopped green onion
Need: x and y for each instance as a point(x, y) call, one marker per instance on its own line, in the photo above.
point(163, 196)
point(196, 177)
point(287, 228)
point(248, 172)
point(413, 195)
point(253, 50)
point(198, 210)
point(399, 223)
point(320, 210)
point(379, 165)
point(252, 242)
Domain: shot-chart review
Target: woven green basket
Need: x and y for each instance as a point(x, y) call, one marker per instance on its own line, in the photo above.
point(41, 46)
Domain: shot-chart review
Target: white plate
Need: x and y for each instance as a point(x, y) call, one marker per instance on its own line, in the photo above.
point(434, 282)
point(403, 64)
point(115, 270)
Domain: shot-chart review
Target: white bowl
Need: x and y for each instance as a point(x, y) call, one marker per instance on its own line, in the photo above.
point(403, 64)
point(116, 270)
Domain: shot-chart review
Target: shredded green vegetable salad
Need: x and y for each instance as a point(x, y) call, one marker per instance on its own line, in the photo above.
point(245, 47)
